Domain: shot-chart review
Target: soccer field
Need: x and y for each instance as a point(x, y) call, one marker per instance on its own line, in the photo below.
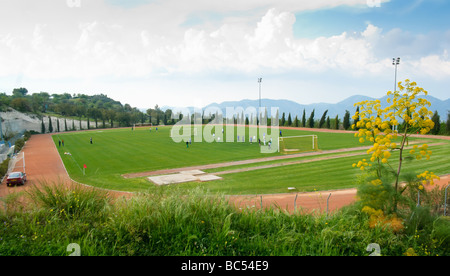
point(115, 152)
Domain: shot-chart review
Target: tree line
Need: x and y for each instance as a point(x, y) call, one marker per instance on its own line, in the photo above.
point(108, 112)
point(311, 122)
point(440, 127)
point(99, 108)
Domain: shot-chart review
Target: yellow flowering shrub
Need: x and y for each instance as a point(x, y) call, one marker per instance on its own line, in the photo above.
point(410, 252)
point(426, 178)
point(378, 126)
point(379, 219)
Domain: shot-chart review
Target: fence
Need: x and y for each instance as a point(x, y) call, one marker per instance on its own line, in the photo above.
point(443, 206)
point(326, 203)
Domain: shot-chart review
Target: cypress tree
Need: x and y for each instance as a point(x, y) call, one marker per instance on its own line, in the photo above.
point(311, 119)
point(304, 119)
point(437, 123)
point(50, 127)
point(346, 122)
point(322, 120)
point(448, 123)
point(42, 126)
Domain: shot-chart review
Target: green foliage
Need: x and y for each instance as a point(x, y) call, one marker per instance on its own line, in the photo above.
point(76, 105)
point(346, 122)
point(336, 122)
point(195, 224)
point(18, 145)
point(4, 167)
point(437, 123)
point(304, 119)
point(447, 124)
point(375, 193)
point(42, 126)
point(289, 120)
point(441, 232)
point(283, 120)
point(311, 120)
point(323, 119)
point(50, 126)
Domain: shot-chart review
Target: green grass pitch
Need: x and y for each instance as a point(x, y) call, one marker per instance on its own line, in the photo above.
point(115, 152)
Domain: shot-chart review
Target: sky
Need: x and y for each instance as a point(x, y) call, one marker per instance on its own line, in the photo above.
point(197, 52)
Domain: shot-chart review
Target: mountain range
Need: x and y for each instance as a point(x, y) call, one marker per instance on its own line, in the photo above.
point(296, 109)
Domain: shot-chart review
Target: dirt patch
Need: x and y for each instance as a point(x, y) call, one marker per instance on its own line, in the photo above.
point(308, 202)
point(322, 201)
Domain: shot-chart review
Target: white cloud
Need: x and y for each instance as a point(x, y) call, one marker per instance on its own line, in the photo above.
point(270, 44)
point(103, 48)
point(152, 41)
point(434, 66)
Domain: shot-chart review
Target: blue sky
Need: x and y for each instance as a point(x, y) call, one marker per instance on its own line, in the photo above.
point(195, 52)
point(417, 16)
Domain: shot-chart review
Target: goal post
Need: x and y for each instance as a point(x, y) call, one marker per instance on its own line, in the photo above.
point(294, 144)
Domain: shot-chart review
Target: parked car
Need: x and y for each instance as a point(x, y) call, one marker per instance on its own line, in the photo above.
point(16, 178)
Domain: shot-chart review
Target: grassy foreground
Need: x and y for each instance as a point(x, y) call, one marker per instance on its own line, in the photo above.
point(195, 224)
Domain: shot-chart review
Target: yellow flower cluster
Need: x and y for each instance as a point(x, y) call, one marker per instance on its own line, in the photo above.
point(375, 123)
point(406, 105)
point(410, 252)
point(422, 151)
point(427, 178)
point(379, 219)
point(361, 164)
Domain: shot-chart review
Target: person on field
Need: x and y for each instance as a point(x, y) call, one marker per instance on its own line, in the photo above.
point(91, 140)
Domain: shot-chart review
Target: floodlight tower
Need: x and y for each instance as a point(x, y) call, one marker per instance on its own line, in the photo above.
point(395, 62)
point(259, 111)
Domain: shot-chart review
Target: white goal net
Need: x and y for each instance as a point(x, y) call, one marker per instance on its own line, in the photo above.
point(294, 144)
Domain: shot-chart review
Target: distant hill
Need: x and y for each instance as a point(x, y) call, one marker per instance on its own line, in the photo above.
point(339, 108)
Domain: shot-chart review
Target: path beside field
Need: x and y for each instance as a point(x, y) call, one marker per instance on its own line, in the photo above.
point(44, 165)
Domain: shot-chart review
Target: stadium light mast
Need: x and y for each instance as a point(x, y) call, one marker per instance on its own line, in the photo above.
point(259, 111)
point(395, 62)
